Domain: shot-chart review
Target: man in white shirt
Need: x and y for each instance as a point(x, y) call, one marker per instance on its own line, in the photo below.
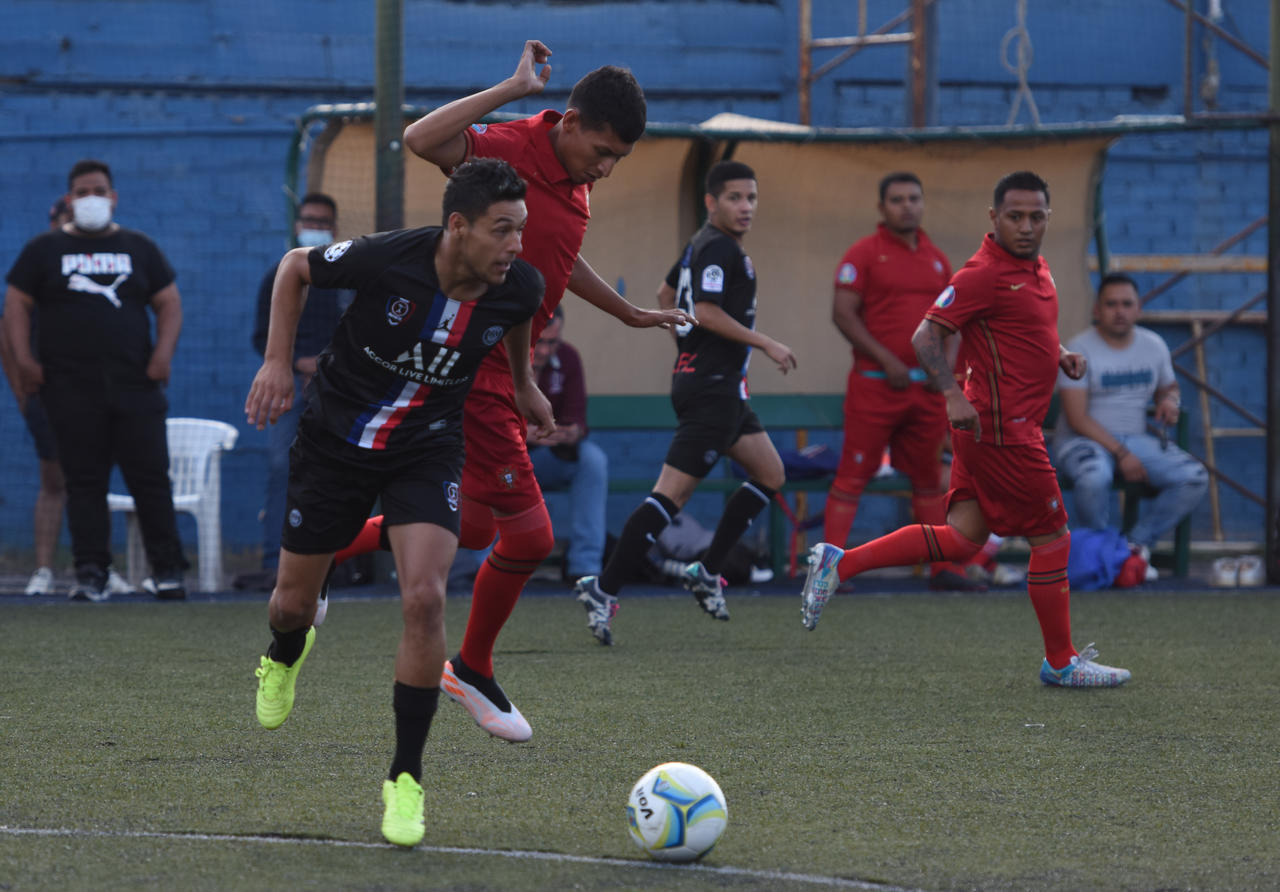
point(1103, 425)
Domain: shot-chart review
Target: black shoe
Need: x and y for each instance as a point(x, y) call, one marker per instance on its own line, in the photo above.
point(951, 581)
point(90, 585)
point(169, 587)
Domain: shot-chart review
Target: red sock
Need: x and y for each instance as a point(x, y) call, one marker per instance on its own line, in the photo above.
point(906, 546)
point(841, 509)
point(368, 539)
point(524, 541)
point(930, 507)
point(1051, 598)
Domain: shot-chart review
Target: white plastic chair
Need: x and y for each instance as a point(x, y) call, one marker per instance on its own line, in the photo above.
point(195, 450)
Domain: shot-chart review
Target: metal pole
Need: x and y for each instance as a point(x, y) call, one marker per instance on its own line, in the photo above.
point(388, 119)
point(1273, 310)
point(1188, 107)
point(806, 58)
point(919, 64)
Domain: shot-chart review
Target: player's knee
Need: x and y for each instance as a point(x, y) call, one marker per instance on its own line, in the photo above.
point(422, 603)
point(527, 536)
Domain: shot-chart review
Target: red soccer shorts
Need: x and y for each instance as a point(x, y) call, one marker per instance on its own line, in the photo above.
point(1016, 486)
point(911, 422)
point(498, 472)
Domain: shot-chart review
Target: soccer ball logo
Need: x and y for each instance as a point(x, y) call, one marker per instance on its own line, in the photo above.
point(676, 812)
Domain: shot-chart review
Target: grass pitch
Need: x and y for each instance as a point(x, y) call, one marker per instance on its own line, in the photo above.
point(905, 742)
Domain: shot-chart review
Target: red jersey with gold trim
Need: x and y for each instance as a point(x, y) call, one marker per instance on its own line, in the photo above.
point(559, 211)
point(1006, 310)
point(897, 285)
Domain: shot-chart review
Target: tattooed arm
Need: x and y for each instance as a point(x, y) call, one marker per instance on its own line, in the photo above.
point(929, 342)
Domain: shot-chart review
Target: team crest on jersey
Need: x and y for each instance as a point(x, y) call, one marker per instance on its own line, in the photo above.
point(491, 335)
point(751, 270)
point(946, 298)
point(713, 279)
point(398, 310)
point(507, 477)
point(333, 252)
point(479, 128)
point(451, 495)
point(848, 274)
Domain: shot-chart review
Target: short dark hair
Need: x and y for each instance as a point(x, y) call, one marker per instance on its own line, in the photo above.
point(1020, 179)
point(88, 165)
point(479, 183)
point(901, 176)
point(723, 171)
point(1116, 279)
point(610, 96)
point(318, 198)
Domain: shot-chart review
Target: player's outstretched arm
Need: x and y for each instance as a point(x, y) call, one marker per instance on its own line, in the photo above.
point(532, 403)
point(271, 394)
point(587, 284)
point(715, 320)
point(438, 136)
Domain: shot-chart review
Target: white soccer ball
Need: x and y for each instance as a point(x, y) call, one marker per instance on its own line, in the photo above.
point(676, 812)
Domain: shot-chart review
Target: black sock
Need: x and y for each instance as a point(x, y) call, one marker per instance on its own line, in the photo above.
point(639, 534)
point(486, 686)
point(286, 647)
point(747, 501)
point(414, 708)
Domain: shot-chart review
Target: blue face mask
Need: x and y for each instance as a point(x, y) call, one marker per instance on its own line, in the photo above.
point(313, 238)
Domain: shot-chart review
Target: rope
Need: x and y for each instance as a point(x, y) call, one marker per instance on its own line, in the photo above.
point(1020, 34)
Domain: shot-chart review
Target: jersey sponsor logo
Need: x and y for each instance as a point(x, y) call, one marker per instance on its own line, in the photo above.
point(333, 252)
point(451, 495)
point(946, 298)
point(713, 279)
point(410, 364)
point(847, 274)
point(491, 335)
point(751, 270)
point(479, 128)
point(398, 310)
point(86, 285)
point(102, 263)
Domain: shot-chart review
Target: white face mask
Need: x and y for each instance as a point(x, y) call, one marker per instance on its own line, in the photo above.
point(91, 212)
point(312, 238)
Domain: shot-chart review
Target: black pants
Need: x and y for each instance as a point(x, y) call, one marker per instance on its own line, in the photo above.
point(98, 427)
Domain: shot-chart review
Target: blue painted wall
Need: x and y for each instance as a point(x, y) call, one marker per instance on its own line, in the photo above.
point(192, 102)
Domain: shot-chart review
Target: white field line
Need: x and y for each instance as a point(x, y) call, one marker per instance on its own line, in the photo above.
point(832, 882)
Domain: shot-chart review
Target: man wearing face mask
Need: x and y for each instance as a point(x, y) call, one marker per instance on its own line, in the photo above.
point(316, 225)
point(100, 375)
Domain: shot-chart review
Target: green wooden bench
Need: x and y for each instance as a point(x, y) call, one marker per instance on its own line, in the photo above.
point(795, 413)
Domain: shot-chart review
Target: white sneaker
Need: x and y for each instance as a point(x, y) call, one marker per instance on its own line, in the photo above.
point(1251, 571)
point(1083, 672)
point(499, 717)
point(1225, 573)
point(820, 582)
point(40, 583)
point(117, 584)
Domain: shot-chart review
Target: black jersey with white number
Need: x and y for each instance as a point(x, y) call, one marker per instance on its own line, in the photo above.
point(404, 354)
point(91, 296)
point(713, 268)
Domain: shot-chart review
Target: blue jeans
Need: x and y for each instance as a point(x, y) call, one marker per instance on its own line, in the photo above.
point(280, 437)
point(1181, 479)
point(587, 481)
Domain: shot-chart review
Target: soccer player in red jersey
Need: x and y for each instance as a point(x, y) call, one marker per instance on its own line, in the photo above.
point(560, 156)
point(884, 285)
point(1004, 304)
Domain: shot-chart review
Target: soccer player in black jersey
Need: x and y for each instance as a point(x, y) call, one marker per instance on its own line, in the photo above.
point(714, 282)
point(384, 420)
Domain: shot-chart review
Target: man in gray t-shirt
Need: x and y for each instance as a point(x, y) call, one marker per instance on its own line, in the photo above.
point(1102, 429)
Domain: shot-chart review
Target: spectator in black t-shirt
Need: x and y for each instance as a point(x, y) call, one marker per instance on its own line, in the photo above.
point(315, 226)
point(715, 283)
point(100, 375)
